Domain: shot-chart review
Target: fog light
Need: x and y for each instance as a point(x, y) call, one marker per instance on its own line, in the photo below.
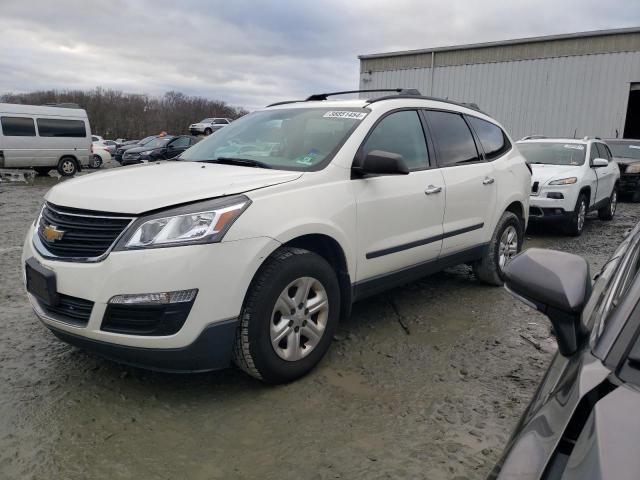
point(162, 298)
point(556, 195)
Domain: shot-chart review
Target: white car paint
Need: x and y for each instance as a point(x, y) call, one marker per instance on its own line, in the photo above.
point(360, 214)
point(211, 124)
point(598, 181)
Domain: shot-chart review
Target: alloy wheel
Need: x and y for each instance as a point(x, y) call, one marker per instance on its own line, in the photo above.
point(299, 319)
point(508, 246)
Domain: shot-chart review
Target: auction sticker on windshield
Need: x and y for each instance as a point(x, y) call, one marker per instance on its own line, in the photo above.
point(345, 114)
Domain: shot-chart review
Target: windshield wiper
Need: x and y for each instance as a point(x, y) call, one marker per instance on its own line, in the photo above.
point(243, 162)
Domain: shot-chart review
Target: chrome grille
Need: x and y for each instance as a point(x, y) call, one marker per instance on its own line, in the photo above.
point(83, 234)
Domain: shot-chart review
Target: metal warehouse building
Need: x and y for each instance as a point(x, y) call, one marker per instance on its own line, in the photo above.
point(563, 85)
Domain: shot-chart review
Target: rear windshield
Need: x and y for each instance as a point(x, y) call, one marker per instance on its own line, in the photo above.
point(284, 139)
point(552, 153)
point(625, 150)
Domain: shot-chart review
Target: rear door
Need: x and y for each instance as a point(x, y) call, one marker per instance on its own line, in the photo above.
point(399, 216)
point(470, 181)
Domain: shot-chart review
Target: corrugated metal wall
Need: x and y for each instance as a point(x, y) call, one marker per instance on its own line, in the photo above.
point(547, 96)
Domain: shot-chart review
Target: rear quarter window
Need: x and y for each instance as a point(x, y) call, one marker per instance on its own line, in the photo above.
point(493, 140)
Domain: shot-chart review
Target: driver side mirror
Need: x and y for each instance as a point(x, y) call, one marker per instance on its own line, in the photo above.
point(383, 163)
point(557, 284)
point(599, 162)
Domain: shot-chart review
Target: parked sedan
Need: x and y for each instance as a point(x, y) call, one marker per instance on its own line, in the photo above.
point(171, 150)
point(627, 154)
point(582, 421)
point(99, 155)
point(155, 148)
point(133, 144)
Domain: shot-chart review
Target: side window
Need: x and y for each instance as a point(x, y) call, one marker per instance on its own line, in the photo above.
point(594, 153)
point(18, 127)
point(54, 127)
point(220, 121)
point(603, 151)
point(180, 142)
point(493, 140)
point(400, 133)
point(453, 139)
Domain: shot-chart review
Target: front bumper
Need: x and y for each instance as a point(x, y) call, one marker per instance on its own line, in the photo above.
point(221, 272)
point(210, 351)
point(629, 183)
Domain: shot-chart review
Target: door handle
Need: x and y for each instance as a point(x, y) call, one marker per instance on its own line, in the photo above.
point(431, 189)
point(488, 181)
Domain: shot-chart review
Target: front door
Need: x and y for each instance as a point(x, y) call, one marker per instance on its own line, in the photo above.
point(399, 216)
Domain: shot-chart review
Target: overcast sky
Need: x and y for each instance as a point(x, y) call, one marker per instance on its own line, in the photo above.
point(250, 53)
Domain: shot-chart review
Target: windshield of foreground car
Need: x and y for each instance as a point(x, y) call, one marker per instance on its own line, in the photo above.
point(553, 153)
point(283, 139)
point(625, 150)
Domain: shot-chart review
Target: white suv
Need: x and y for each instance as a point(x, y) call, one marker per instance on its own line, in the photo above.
point(570, 178)
point(208, 126)
point(255, 243)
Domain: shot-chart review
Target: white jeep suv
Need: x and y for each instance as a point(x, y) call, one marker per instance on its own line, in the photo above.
point(258, 239)
point(570, 177)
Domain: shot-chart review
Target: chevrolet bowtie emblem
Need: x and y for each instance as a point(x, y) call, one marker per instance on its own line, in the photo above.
point(52, 234)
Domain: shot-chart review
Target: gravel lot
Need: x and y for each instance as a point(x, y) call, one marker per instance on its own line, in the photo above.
point(426, 381)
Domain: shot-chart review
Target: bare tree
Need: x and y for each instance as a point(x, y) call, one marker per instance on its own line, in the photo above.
point(115, 114)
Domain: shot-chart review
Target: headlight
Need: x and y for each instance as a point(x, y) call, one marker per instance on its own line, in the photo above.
point(148, 152)
point(564, 181)
point(203, 222)
point(633, 168)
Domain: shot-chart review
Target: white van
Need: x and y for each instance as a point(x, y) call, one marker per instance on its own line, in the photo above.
point(44, 138)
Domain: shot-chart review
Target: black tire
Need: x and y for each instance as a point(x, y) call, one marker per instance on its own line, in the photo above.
point(609, 210)
point(635, 197)
point(43, 171)
point(208, 131)
point(575, 226)
point(488, 268)
point(96, 161)
point(253, 349)
point(67, 167)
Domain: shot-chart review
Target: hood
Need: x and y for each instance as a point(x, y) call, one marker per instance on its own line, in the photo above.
point(141, 188)
point(625, 160)
point(544, 173)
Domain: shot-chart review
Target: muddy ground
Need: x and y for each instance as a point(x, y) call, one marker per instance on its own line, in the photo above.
point(426, 381)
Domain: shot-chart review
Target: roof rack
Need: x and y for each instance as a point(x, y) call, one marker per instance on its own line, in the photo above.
point(591, 138)
point(401, 93)
point(533, 137)
point(324, 96)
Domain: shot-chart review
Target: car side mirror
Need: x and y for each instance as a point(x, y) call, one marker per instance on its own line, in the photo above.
point(599, 162)
point(383, 163)
point(557, 284)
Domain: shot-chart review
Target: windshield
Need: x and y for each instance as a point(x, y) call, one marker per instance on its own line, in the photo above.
point(625, 150)
point(553, 153)
point(284, 139)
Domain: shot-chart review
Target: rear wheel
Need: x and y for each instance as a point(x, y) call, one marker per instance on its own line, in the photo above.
point(578, 218)
point(44, 171)
point(505, 243)
point(609, 210)
point(67, 167)
point(96, 161)
point(289, 317)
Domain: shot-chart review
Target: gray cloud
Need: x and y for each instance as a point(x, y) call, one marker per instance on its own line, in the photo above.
point(250, 53)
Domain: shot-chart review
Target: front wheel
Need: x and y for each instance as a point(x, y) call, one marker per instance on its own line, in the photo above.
point(67, 167)
point(505, 243)
point(208, 131)
point(289, 317)
point(576, 223)
point(609, 210)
